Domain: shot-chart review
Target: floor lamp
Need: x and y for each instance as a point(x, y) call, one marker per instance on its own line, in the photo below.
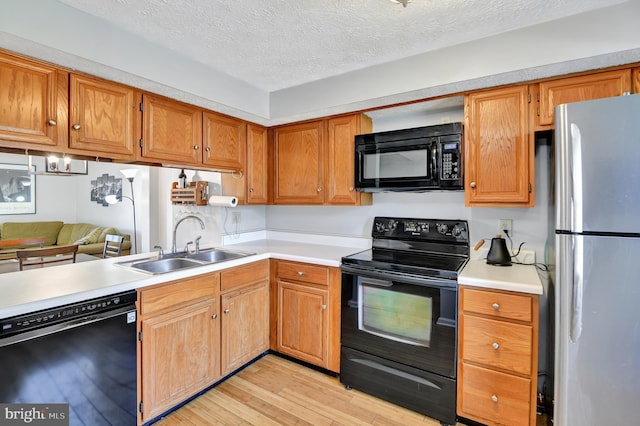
point(130, 174)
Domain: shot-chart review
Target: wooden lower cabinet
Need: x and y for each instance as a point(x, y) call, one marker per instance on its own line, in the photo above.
point(245, 314)
point(308, 313)
point(497, 356)
point(179, 331)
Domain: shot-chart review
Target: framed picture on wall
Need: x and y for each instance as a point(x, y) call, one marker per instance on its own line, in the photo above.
point(105, 185)
point(17, 189)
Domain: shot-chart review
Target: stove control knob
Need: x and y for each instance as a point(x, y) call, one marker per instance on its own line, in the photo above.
point(443, 228)
point(393, 224)
point(457, 230)
point(379, 226)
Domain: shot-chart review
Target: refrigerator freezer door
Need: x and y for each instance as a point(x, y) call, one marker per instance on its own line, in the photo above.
point(598, 165)
point(597, 380)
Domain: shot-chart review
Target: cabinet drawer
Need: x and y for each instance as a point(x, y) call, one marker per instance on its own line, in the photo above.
point(494, 396)
point(498, 344)
point(178, 292)
point(497, 304)
point(303, 272)
point(244, 275)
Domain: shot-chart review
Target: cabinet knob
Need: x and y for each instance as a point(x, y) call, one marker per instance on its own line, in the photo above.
point(76, 127)
point(494, 398)
point(495, 345)
point(319, 189)
point(472, 184)
point(208, 149)
point(300, 273)
point(196, 147)
point(495, 306)
point(52, 122)
point(324, 307)
point(226, 311)
point(351, 188)
point(250, 189)
point(214, 316)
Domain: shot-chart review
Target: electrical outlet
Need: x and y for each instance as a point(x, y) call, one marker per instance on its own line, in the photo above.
point(505, 224)
point(235, 218)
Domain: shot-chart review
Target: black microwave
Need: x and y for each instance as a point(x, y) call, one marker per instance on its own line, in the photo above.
point(419, 159)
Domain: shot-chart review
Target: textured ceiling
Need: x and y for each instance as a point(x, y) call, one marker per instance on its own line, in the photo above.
point(278, 44)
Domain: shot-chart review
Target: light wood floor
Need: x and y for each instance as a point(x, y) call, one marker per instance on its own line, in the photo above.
point(275, 391)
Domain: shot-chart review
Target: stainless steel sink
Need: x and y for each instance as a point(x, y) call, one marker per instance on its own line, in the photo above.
point(214, 256)
point(183, 260)
point(161, 266)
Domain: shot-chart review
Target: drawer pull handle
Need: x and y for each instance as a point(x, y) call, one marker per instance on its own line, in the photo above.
point(494, 398)
point(226, 311)
point(495, 345)
point(300, 273)
point(495, 306)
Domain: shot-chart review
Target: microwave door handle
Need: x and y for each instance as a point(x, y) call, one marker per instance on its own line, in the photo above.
point(434, 162)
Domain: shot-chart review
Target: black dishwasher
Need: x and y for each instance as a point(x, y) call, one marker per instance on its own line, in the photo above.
point(82, 354)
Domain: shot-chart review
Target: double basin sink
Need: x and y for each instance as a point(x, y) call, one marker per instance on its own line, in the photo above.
point(183, 260)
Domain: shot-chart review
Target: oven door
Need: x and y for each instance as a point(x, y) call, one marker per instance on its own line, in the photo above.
point(411, 321)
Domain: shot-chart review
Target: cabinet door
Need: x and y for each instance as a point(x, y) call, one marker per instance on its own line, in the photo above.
point(245, 325)
point(171, 131)
point(303, 328)
point(636, 81)
point(581, 88)
point(224, 141)
point(340, 159)
point(498, 152)
point(178, 355)
point(257, 169)
point(102, 117)
point(298, 165)
point(28, 102)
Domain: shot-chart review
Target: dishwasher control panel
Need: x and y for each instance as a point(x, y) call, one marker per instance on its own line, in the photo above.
point(66, 313)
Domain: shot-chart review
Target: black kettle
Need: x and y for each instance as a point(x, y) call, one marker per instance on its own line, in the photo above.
point(498, 252)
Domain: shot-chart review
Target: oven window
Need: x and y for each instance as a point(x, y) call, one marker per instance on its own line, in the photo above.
point(400, 164)
point(395, 315)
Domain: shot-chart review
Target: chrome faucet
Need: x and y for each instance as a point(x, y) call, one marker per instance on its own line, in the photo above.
point(175, 229)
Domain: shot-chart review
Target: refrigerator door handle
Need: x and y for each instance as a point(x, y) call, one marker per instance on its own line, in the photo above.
point(577, 288)
point(575, 192)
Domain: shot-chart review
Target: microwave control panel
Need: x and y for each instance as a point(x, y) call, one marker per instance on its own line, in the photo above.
point(450, 164)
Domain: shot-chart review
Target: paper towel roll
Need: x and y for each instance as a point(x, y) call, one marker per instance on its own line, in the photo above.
point(222, 200)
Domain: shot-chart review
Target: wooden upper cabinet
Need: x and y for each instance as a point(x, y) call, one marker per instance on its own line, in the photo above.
point(635, 85)
point(224, 142)
point(252, 187)
point(257, 168)
point(171, 131)
point(580, 88)
point(499, 168)
point(102, 117)
point(298, 164)
point(340, 159)
point(33, 103)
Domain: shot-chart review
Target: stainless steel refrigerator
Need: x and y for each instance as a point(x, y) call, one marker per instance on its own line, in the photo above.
point(597, 263)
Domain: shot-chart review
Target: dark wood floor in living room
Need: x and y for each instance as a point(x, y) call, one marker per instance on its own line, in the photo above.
point(275, 391)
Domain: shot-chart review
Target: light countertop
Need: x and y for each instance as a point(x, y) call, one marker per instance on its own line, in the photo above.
point(518, 278)
point(37, 289)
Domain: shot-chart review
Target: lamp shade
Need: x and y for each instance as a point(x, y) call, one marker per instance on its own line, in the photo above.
point(112, 199)
point(129, 173)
